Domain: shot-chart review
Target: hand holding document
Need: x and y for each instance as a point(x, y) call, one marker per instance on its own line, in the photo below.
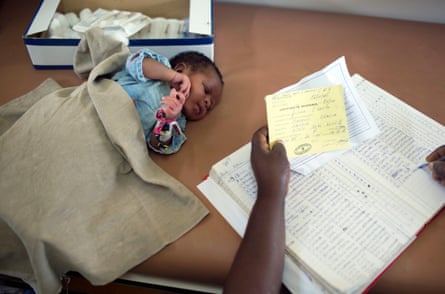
point(361, 125)
point(308, 121)
point(348, 220)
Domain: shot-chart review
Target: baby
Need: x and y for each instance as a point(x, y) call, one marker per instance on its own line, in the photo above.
point(167, 93)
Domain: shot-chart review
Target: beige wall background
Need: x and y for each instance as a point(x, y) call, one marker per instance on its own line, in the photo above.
point(419, 10)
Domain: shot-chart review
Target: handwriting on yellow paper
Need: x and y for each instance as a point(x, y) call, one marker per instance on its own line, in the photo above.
point(308, 121)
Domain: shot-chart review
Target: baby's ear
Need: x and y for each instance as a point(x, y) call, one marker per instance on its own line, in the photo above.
point(181, 67)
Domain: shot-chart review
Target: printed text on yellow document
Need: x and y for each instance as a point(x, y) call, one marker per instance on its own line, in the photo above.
point(308, 121)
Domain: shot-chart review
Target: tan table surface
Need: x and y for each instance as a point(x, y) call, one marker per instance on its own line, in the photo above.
point(260, 50)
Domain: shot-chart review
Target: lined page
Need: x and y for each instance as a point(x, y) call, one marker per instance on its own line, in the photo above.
point(407, 136)
point(348, 220)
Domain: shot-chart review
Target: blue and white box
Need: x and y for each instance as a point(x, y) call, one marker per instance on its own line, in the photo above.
point(53, 52)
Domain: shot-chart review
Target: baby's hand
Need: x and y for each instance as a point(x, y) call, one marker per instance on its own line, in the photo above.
point(172, 104)
point(181, 83)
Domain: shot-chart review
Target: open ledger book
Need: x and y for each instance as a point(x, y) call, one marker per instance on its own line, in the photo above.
point(348, 220)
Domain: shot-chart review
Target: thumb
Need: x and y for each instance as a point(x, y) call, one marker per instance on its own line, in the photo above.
point(278, 148)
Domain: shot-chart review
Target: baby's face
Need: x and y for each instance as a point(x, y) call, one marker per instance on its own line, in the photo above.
point(205, 94)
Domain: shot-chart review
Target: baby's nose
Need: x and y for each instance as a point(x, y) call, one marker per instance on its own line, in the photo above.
point(207, 102)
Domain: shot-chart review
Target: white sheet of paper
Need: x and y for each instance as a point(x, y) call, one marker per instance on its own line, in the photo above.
point(361, 124)
point(350, 218)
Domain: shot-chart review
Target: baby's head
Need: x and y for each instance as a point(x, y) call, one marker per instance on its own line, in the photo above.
point(206, 83)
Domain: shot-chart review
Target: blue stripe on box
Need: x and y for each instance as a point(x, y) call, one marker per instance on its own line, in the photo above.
point(52, 66)
point(51, 42)
point(32, 19)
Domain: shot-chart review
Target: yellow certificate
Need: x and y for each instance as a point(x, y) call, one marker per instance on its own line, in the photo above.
point(308, 121)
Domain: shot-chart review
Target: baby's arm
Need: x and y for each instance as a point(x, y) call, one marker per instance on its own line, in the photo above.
point(155, 70)
point(166, 135)
point(146, 64)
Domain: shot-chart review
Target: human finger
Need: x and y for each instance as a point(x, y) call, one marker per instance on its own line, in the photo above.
point(186, 86)
point(260, 140)
point(436, 154)
point(183, 84)
point(438, 168)
point(279, 148)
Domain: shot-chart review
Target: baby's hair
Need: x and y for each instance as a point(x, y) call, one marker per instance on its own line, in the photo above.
point(197, 61)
